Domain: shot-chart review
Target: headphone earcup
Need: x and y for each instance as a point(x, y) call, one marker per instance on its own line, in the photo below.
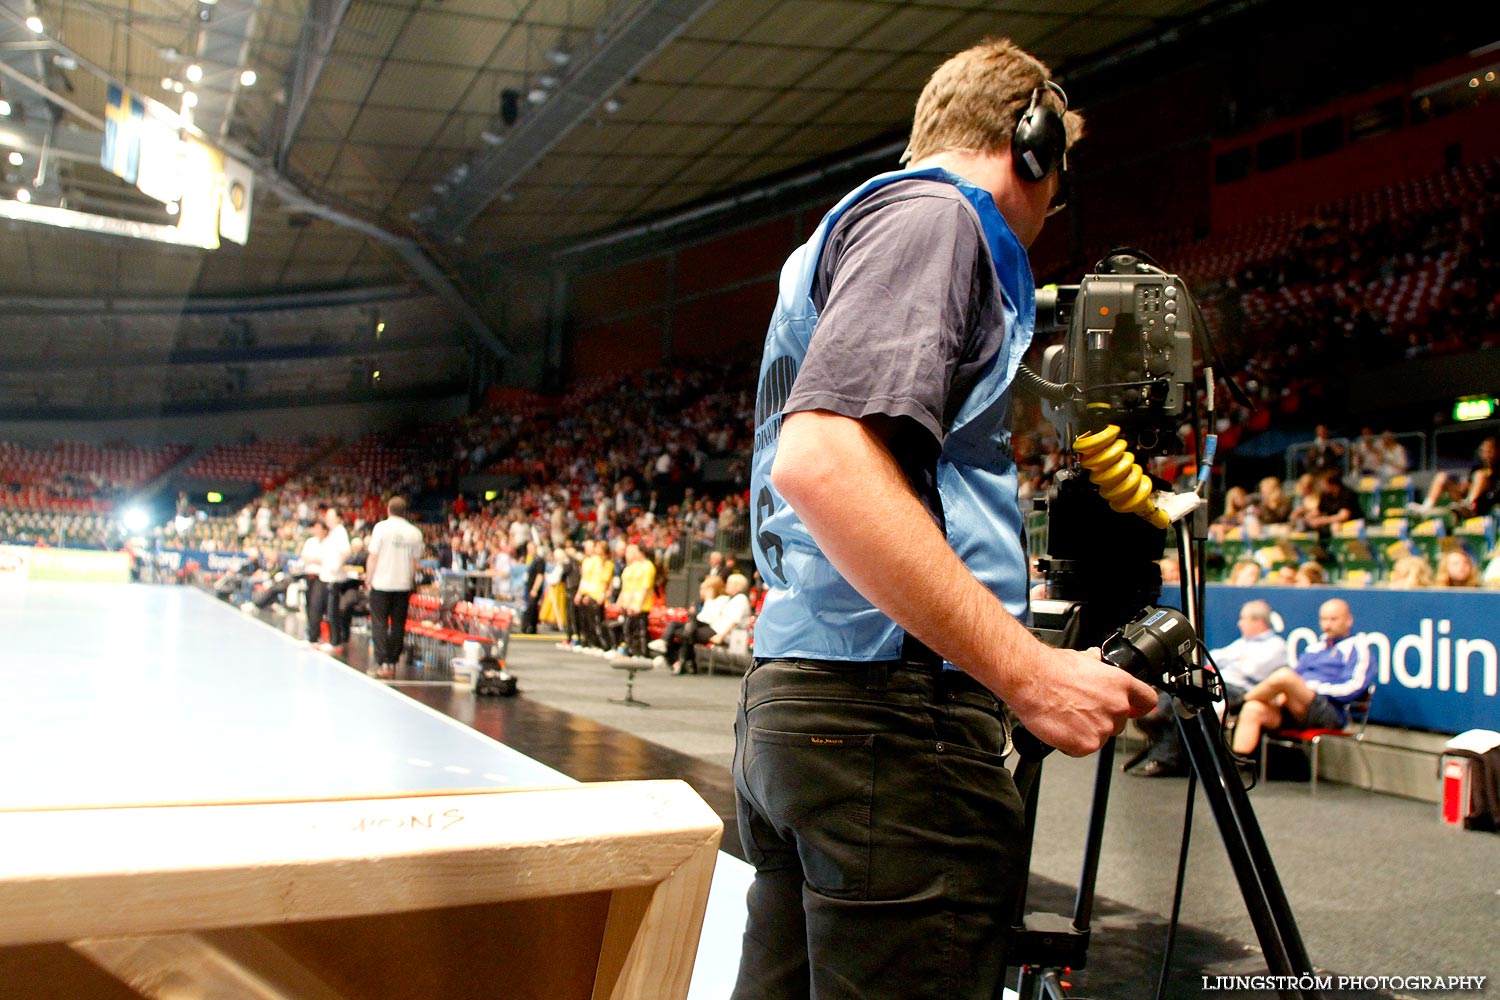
point(1039, 141)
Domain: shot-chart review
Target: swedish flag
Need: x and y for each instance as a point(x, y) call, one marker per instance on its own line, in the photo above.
point(124, 118)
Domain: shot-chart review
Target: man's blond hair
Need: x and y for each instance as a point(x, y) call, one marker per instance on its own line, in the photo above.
point(974, 100)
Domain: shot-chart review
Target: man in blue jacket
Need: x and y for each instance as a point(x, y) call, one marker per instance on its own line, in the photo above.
point(871, 789)
point(1316, 692)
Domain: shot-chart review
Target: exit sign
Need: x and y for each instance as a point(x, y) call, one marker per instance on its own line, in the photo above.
point(1473, 408)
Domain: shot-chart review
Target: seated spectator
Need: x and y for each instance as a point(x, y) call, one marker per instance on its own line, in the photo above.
point(1310, 574)
point(1304, 500)
point(1456, 569)
point(1171, 572)
point(1367, 453)
point(1271, 505)
point(733, 614)
point(1324, 454)
point(1393, 457)
point(1255, 655)
point(1477, 497)
point(1244, 573)
point(1316, 692)
point(1334, 504)
point(1236, 502)
point(669, 648)
point(1409, 572)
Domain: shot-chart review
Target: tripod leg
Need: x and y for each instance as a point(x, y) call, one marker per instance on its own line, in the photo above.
point(1265, 900)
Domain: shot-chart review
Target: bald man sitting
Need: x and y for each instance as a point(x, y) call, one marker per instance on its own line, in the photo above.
point(1316, 692)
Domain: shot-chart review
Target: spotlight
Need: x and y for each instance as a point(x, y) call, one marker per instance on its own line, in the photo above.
point(194, 73)
point(4, 109)
point(35, 24)
point(166, 83)
point(248, 78)
point(16, 159)
point(1489, 77)
point(559, 56)
point(134, 519)
point(536, 95)
point(1474, 82)
point(380, 328)
point(177, 87)
point(190, 100)
point(613, 104)
point(547, 81)
point(491, 138)
point(173, 208)
point(23, 196)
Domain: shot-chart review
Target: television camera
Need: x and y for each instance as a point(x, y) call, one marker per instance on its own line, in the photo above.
point(1117, 387)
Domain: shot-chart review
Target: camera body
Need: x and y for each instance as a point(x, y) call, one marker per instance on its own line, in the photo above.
point(1127, 354)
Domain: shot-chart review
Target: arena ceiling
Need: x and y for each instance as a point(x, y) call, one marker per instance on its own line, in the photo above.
point(393, 139)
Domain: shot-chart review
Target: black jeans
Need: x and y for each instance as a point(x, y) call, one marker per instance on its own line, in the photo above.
point(590, 618)
point(316, 606)
point(637, 632)
point(885, 831)
point(388, 624)
point(339, 616)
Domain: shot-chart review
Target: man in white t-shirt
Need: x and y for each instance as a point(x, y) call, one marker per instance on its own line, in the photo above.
point(315, 596)
point(335, 576)
point(391, 573)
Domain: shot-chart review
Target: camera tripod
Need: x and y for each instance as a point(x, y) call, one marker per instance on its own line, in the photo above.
point(1101, 573)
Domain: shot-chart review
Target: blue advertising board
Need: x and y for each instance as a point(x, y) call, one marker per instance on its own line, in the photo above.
point(1435, 650)
point(213, 562)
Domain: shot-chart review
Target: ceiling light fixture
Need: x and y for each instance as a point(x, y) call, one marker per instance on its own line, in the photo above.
point(166, 83)
point(559, 56)
point(547, 81)
point(173, 208)
point(35, 24)
point(491, 138)
point(190, 100)
point(4, 109)
point(16, 159)
point(613, 104)
point(194, 73)
point(23, 196)
point(248, 78)
point(536, 95)
point(177, 87)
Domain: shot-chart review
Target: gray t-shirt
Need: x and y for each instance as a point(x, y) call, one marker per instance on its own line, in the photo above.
point(909, 315)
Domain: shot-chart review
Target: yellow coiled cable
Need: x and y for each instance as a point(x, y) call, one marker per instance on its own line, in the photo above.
point(1122, 483)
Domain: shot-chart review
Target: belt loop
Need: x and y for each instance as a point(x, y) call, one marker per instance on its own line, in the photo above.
point(876, 677)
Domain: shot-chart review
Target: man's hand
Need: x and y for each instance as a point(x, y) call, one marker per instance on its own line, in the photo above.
point(1076, 702)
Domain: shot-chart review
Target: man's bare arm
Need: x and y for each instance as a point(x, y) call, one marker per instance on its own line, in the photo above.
point(887, 546)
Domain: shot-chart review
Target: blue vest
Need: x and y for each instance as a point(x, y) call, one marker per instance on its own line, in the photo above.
point(810, 610)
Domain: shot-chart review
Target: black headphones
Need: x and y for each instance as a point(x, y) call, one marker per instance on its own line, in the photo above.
point(1039, 144)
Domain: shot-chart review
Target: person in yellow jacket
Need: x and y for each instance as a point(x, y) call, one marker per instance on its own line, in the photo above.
point(637, 594)
point(593, 587)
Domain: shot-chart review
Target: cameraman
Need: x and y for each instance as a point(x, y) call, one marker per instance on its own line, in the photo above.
point(871, 792)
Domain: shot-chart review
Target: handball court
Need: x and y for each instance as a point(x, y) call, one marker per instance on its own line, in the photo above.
point(128, 694)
